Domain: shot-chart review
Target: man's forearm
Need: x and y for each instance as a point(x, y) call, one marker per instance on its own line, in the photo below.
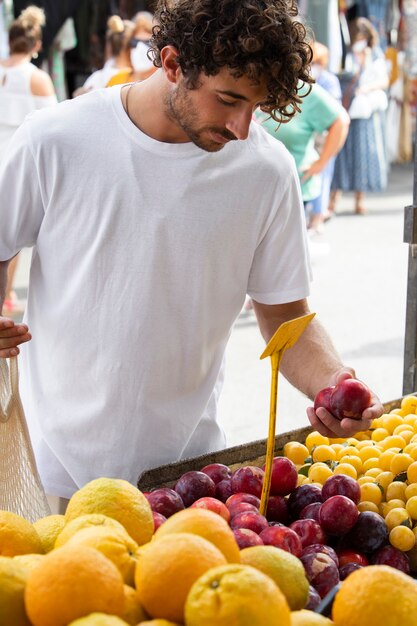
point(3, 281)
point(313, 361)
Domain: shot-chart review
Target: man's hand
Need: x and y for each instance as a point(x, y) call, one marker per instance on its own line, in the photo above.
point(330, 426)
point(11, 336)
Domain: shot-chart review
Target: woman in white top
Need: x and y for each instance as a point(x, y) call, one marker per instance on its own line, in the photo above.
point(23, 89)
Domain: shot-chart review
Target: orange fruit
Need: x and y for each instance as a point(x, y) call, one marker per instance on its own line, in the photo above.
point(133, 612)
point(167, 568)
point(85, 521)
point(99, 619)
point(158, 622)
point(236, 594)
point(114, 543)
point(48, 529)
point(284, 568)
point(206, 524)
point(309, 618)
point(72, 582)
point(17, 535)
point(13, 578)
point(117, 499)
point(375, 595)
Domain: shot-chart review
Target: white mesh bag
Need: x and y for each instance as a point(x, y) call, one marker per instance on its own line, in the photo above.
point(21, 489)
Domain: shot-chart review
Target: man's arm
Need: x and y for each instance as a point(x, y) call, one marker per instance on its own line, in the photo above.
point(11, 334)
point(312, 364)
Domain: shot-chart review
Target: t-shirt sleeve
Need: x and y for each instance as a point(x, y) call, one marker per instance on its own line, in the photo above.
point(21, 202)
point(281, 270)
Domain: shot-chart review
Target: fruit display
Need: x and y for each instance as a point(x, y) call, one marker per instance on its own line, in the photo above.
point(341, 519)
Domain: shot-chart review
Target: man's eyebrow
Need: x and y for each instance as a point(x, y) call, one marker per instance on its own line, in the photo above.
point(232, 94)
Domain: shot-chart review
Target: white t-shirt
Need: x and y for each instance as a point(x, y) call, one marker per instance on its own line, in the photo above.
point(143, 254)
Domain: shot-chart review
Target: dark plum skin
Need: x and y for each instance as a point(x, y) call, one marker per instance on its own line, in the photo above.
point(193, 485)
point(311, 511)
point(277, 510)
point(224, 489)
point(313, 599)
point(309, 531)
point(368, 534)
point(338, 515)
point(388, 555)
point(347, 569)
point(251, 520)
point(246, 538)
point(324, 549)
point(165, 501)
point(248, 479)
point(217, 472)
point(341, 485)
point(321, 571)
point(301, 497)
point(349, 399)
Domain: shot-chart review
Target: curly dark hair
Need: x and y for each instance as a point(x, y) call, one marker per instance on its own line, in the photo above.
point(259, 39)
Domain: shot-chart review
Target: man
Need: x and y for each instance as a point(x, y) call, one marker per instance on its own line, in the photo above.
point(154, 208)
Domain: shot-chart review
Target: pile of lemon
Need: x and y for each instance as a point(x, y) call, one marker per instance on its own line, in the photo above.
point(383, 460)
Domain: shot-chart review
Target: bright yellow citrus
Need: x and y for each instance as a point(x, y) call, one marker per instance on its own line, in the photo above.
point(17, 535)
point(405, 431)
point(392, 504)
point(315, 439)
point(409, 404)
point(99, 619)
point(395, 517)
point(309, 618)
point(412, 472)
point(410, 491)
point(400, 463)
point(13, 578)
point(48, 529)
point(370, 492)
point(373, 471)
point(368, 506)
point(85, 521)
point(133, 612)
point(347, 469)
point(116, 544)
point(396, 491)
point(372, 463)
point(319, 473)
point(117, 499)
point(384, 479)
point(167, 568)
point(29, 561)
point(402, 538)
point(72, 582)
point(323, 453)
point(224, 595)
point(366, 479)
point(376, 595)
point(285, 570)
point(206, 524)
point(411, 507)
point(394, 441)
point(379, 434)
point(354, 460)
point(296, 452)
point(391, 421)
point(158, 622)
point(385, 460)
point(369, 452)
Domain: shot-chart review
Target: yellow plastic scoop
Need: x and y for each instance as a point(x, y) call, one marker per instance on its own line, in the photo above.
point(285, 337)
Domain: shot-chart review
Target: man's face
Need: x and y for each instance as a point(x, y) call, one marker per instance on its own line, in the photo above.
point(219, 110)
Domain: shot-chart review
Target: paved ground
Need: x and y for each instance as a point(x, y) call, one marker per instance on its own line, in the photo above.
point(359, 292)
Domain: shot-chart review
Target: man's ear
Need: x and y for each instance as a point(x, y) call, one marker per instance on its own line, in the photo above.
point(170, 65)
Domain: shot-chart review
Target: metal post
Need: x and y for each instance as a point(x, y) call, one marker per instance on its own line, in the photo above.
point(410, 237)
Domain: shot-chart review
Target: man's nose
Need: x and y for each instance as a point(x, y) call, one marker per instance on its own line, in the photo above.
point(239, 124)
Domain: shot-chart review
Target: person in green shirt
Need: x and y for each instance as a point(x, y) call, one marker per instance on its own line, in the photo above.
point(320, 113)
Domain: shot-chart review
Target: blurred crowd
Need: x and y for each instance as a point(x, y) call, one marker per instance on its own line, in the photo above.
point(357, 119)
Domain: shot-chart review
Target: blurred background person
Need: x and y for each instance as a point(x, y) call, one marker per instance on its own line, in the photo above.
point(361, 166)
point(330, 83)
point(138, 45)
point(23, 89)
point(319, 113)
point(117, 54)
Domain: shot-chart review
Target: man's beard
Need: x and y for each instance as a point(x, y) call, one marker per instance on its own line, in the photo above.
point(179, 108)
